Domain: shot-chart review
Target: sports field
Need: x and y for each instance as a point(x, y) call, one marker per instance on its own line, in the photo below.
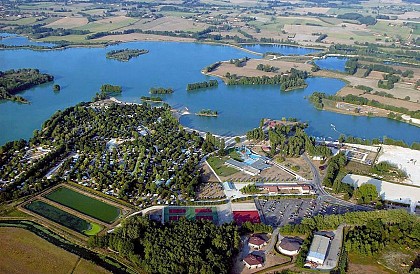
point(190, 213)
point(84, 204)
point(246, 216)
point(24, 252)
point(63, 218)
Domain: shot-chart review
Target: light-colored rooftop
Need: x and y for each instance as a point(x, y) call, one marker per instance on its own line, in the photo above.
point(319, 248)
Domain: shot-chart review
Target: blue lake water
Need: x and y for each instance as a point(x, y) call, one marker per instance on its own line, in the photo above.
point(15, 40)
point(81, 71)
point(282, 49)
point(332, 63)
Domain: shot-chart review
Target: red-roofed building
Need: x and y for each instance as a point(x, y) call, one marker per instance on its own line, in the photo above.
point(256, 242)
point(253, 261)
point(272, 189)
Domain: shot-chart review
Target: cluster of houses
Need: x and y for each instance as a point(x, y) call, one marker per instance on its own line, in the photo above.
point(255, 259)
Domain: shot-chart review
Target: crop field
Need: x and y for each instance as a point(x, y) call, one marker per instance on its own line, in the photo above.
point(63, 218)
point(32, 254)
point(84, 204)
point(108, 24)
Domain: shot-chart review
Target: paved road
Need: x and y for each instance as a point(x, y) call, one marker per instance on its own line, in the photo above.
point(273, 241)
point(324, 195)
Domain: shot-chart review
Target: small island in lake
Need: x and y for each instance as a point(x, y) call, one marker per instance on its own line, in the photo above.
point(151, 99)
point(161, 91)
point(125, 55)
point(14, 81)
point(106, 90)
point(208, 113)
point(205, 84)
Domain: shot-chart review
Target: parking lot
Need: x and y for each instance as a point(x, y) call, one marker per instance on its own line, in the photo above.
point(289, 211)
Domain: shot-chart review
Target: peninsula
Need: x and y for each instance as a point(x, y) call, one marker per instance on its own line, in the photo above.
point(15, 81)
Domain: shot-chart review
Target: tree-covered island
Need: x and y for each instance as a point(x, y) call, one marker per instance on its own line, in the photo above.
point(151, 99)
point(125, 55)
point(200, 85)
point(287, 81)
point(161, 91)
point(15, 81)
point(207, 112)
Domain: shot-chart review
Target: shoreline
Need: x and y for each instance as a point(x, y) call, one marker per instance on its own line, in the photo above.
point(348, 112)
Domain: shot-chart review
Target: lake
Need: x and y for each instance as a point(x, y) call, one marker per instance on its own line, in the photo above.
point(81, 71)
point(281, 49)
point(332, 63)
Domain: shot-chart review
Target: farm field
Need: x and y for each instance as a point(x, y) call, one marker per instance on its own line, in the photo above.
point(63, 218)
point(84, 204)
point(24, 252)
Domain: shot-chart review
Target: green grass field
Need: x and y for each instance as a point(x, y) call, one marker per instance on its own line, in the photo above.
point(64, 218)
point(85, 204)
point(94, 229)
point(218, 164)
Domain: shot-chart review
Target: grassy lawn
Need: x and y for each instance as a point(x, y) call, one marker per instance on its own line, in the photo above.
point(94, 229)
point(217, 163)
point(24, 252)
point(85, 204)
point(235, 155)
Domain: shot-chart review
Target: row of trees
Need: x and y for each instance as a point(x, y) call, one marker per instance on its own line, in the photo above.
point(178, 247)
point(205, 84)
point(267, 68)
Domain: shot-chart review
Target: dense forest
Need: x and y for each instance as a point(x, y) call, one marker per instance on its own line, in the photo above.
point(107, 88)
point(176, 247)
point(288, 81)
point(375, 235)
point(153, 154)
point(359, 218)
point(205, 84)
point(14, 81)
point(125, 54)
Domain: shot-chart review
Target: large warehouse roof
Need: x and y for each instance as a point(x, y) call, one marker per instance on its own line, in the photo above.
point(318, 250)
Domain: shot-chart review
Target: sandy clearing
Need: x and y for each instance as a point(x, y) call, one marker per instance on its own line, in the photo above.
point(406, 159)
point(68, 22)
